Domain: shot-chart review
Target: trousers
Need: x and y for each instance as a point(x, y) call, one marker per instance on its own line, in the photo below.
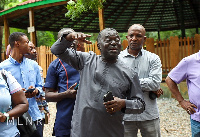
point(195, 128)
point(149, 128)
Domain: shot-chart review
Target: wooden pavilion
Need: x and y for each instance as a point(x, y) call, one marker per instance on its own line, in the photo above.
point(154, 15)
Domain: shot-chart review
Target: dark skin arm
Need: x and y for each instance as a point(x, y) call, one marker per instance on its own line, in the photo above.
point(114, 105)
point(81, 37)
point(187, 105)
point(20, 106)
point(52, 96)
point(158, 92)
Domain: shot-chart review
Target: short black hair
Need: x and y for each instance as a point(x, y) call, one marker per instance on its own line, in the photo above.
point(15, 36)
point(64, 30)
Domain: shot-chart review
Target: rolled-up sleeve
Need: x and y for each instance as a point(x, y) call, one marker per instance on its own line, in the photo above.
point(135, 106)
point(134, 102)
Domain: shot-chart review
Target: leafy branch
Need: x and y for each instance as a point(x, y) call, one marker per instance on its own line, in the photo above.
point(76, 8)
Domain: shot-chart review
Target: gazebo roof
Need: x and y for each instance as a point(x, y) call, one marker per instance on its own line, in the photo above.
point(154, 15)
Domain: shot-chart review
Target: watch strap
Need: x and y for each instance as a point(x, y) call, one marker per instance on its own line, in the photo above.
point(7, 116)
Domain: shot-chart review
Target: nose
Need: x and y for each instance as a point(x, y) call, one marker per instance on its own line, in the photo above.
point(113, 42)
point(34, 50)
point(134, 38)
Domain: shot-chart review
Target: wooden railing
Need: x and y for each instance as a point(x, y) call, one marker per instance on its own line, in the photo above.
point(170, 51)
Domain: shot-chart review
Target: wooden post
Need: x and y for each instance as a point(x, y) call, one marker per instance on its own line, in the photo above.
point(31, 21)
point(124, 44)
point(150, 45)
point(197, 30)
point(54, 57)
point(174, 51)
point(42, 61)
point(101, 19)
point(158, 34)
point(6, 32)
point(197, 43)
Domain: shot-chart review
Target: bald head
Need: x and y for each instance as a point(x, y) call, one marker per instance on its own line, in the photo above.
point(138, 27)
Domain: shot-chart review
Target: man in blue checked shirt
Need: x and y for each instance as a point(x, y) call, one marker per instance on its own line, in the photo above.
point(27, 73)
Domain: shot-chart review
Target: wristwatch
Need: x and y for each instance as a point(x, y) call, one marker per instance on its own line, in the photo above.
point(7, 116)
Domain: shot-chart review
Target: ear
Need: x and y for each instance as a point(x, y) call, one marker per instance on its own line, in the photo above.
point(16, 43)
point(145, 37)
point(127, 36)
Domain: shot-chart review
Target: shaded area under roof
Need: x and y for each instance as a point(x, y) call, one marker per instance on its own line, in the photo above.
point(154, 15)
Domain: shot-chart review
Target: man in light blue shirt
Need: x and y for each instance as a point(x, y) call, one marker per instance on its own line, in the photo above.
point(26, 72)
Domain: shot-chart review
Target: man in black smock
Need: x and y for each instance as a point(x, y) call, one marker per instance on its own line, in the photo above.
point(98, 75)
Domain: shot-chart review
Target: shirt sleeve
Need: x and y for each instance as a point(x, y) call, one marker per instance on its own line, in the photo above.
point(134, 102)
point(152, 82)
point(14, 86)
point(52, 77)
point(60, 46)
point(74, 58)
point(179, 73)
point(39, 82)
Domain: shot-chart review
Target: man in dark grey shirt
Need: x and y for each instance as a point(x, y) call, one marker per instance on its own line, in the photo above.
point(99, 74)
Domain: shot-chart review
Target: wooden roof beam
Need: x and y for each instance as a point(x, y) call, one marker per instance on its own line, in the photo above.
point(182, 18)
point(176, 14)
point(133, 15)
point(55, 14)
point(150, 13)
point(111, 13)
point(161, 17)
point(195, 13)
point(122, 12)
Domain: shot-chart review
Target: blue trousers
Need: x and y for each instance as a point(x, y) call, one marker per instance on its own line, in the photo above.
point(195, 127)
point(39, 126)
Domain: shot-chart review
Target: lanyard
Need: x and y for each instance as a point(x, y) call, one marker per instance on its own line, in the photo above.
point(65, 71)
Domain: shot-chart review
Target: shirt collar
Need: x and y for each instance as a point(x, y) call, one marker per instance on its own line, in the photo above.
point(13, 61)
point(125, 53)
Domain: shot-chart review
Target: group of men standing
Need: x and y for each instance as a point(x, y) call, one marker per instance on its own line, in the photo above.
point(132, 75)
point(98, 75)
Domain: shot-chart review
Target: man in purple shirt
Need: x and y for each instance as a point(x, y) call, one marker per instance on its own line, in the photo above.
point(188, 69)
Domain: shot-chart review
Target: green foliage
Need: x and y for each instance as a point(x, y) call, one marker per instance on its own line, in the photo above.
point(2, 3)
point(5, 4)
point(76, 8)
point(190, 32)
point(152, 35)
point(123, 36)
point(45, 38)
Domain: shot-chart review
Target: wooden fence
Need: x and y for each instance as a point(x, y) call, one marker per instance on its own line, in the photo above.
point(170, 51)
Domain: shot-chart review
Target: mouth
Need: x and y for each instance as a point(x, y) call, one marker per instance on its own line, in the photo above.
point(113, 50)
point(134, 43)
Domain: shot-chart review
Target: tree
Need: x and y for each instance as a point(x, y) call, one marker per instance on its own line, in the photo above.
point(76, 8)
point(4, 4)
